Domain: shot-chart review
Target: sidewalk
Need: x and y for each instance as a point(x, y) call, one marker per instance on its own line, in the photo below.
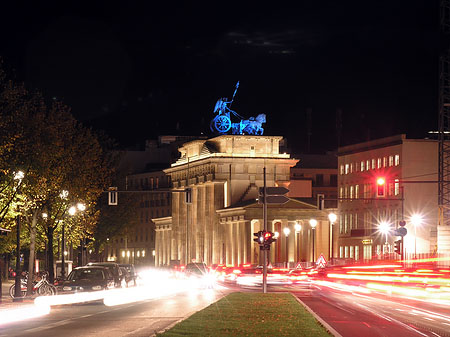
point(7, 301)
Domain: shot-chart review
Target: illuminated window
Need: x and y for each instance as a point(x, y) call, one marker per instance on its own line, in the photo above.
point(341, 193)
point(345, 223)
point(397, 160)
point(341, 223)
point(356, 253)
point(391, 160)
point(341, 252)
point(367, 165)
point(350, 220)
point(352, 252)
point(342, 170)
point(362, 166)
point(351, 192)
point(346, 252)
point(384, 161)
point(356, 191)
point(391, 189)
point(351, 168)
point(373, 164)
point(379, 163)
point(347, 167)
point(346, 192)
point(356, 221)
point(397, 187)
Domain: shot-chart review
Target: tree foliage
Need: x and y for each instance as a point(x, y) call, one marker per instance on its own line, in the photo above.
point(56, 153)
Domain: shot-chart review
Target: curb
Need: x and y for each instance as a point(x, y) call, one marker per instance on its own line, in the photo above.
point(320, 320)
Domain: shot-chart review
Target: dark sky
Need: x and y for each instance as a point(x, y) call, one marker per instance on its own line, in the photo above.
point(141, 70)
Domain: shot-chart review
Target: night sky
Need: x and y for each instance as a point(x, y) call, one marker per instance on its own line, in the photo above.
point(141, 70)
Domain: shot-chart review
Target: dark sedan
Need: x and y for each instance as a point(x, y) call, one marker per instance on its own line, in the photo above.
point(88, 278)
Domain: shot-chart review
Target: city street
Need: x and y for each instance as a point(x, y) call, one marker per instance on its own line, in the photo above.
point(143, 318)
point(353, 313)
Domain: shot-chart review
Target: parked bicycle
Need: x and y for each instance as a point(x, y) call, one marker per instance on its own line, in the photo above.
point(41, 286)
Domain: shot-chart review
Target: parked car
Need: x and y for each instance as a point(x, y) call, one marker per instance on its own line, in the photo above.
point(87, 278)
point(119, 278)
point(131, 274)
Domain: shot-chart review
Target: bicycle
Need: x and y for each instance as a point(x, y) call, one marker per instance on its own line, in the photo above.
point(42, 287)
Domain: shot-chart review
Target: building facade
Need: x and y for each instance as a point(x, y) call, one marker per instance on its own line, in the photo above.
point(217, 225)
point(409, 169)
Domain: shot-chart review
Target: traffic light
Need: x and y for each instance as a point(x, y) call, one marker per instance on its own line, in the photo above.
point(269, 237)
point(188, 195)
point(381, 187)
point(398, 247)
point(259, 237)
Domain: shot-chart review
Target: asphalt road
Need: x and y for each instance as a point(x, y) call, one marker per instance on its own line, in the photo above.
point(374, 314)
point(95, 319)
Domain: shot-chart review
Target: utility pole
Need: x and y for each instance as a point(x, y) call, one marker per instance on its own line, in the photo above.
point(265, 254)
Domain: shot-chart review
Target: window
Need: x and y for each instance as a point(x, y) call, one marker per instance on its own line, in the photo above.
point(346, 252)
point(341, 193)
point(157, 183)
point(333, 180)
point(347, 167)
point(362, 166)
point(367, 165)
point(379, 163)
point(391, 160)
point(351, 192)
point(350, 220)
point(390, 189)
point(396, 187)
point(356, 191)
point(397, 160)
point(351, 168)
point(341, 252)
point(341, 224)
point(342, 169)
point(346, 192)
point(355, 221)
point(352, 252)
point(373, 164)
point(356, 253)
point(345, 223)
point(384, 161)
point(319, 180)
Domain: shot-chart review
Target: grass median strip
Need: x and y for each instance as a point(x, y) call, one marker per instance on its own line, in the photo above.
point(251, 314)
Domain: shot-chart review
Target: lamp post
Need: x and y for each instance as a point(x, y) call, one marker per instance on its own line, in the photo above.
point(332, 217)
point(313, 224)
point(72, 210)
point(384, 228)
point(298, 228)
point(17, 287)
point(286, 232)
point(416, 220)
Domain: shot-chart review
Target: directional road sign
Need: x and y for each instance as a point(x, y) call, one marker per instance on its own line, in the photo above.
point(276, 199)
point(276, 190)
point(402, 231)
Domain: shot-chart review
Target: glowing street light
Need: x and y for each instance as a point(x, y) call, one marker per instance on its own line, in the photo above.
point(313, 224)
point(297, 227)
point(384, 228)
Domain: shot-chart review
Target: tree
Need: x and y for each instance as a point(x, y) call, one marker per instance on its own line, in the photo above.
point(57, 153)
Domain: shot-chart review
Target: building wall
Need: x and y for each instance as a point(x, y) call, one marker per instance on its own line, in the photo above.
point(360, 211)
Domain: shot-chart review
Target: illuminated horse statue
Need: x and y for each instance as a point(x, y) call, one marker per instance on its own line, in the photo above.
point(251, 126)
point(222, 122)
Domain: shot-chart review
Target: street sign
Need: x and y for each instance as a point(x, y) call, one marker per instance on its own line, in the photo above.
point(276, 199)
point(321, 262)
point(276, 190)
point(402, 231)
point(402, 223)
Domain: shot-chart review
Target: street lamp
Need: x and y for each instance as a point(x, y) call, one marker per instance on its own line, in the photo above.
point(332, 217)
point(298, 228)
point(286, 232)
point(313, 224)
point(72, 210)
point(17, 287)
point(416, 220)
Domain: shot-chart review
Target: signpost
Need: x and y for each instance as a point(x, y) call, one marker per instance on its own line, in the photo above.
point(269, 195)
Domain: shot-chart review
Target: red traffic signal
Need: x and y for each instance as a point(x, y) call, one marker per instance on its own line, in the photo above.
point(381, 187)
